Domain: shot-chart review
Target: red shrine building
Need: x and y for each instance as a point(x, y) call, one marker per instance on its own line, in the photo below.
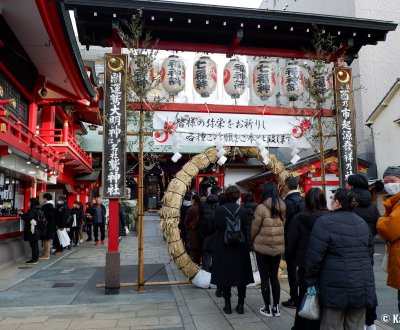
point(49, 97)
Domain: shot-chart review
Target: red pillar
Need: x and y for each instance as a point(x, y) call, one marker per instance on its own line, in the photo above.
point(48, 123)
point(33, 108)
point(113, 227)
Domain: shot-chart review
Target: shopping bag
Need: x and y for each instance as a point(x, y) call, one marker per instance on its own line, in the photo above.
point(63, 238)
point(384, 264)
point(310, 308)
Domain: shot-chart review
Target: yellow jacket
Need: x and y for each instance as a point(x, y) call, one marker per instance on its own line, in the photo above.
point(388, 227)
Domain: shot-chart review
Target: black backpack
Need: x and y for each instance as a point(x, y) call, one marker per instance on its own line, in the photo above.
point(41, 219)
point(233, 235)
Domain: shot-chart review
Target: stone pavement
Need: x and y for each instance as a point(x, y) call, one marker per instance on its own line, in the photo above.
point(60, 294)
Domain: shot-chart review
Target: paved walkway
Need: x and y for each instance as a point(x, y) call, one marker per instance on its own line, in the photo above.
point(60, 294)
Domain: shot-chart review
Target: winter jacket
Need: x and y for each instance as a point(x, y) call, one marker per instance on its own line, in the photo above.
point(294, 204)
point(231, 264)
point(62, 215)
point(192, 229)
point(299, 235)
point(78, 213)
point(388, 227)
point(207, 216)
point(121, 221)
point(49, 214)
point(339, 261)
point(365, 209)
point(32, 214)
point(250, 209)
point(102, 218)
point(184, 208)
point(267, 231)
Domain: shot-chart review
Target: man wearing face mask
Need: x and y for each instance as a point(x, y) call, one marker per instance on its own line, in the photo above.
point(388, 226)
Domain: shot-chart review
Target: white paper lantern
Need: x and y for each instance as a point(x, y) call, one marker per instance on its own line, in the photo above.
point(293, 80)
point(205, 76)
point(321, 81)
point(173, 75)
point(264, 79)
point(235, 78)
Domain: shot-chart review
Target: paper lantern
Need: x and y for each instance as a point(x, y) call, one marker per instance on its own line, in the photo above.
point(235, 80)
point(293, 80)
point(205, 76)
point(173, 75)
point(264, 79)
point(321, 82)
point(141, 71)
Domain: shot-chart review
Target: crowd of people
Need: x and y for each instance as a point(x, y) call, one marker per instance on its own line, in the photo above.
point(47, 222)
point(328, 249)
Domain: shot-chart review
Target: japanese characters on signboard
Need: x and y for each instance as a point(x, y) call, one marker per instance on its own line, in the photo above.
point(345, 123)
point(198, 129)
point(114, 126)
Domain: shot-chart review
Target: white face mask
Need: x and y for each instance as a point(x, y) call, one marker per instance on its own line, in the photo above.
point(392, 188)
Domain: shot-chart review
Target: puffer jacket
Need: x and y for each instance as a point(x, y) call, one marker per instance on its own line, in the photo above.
point(339, 261)
point(389, 228)
point(250, 209)
point(365, 209)
point(267, 232)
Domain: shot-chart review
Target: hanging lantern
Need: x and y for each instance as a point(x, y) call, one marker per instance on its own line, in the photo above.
point(321, 82)
point(264, 79)
point(235, 78)
point(141, 71)
point(204, 76)
point(293, 80)
point(173, 75)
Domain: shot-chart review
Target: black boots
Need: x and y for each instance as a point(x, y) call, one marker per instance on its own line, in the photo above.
point(240, 306)
point(227, 308)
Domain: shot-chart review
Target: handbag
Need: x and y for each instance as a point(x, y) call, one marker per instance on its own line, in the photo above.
point(310, 308)
point(384, 264)
point(63, 238)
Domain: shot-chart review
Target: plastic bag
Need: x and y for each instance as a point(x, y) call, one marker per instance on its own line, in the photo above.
point(310, 308)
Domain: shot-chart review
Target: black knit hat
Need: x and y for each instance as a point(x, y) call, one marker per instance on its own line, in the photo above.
point(358, 181)
point(392, 171)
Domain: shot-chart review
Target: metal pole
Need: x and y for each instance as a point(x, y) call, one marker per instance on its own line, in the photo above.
point(321, 152)
point(140, 205)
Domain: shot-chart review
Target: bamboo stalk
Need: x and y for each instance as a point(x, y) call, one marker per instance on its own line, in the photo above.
point(140, 205)
point(322, 153)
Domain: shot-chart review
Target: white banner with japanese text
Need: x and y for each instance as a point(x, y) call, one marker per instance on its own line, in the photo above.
point(193, 128)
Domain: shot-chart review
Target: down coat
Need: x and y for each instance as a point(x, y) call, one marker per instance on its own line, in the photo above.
point(267, 231)
point(339, 261)
point(389, 228)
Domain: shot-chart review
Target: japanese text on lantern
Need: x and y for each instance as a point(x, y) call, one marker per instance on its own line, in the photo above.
point(239, 76)
point(114, 128)
point(174, 73)
point(293, 76)
point(200, 77)
point(345, 123)
point(263, 81)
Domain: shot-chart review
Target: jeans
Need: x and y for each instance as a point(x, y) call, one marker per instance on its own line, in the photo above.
point(35, 250)
point(96, 227)
point(268, 267)
point(89, 230)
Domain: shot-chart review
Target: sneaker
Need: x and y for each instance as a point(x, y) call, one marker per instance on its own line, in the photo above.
point(44, 258)
point(81, 241)
point(58, 253)
point(266, 311)
point(69, 247)
point(290, 303)
point(53, 250)
point(276, 311)
point(102, 241)
point(96, 243)
point(89, 239)
point(218, 292)
point(32, 262)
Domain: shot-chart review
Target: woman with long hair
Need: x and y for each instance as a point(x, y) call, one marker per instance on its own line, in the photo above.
point(31, 229)
point(231, 262)
point(339, 264)
point(267, 232)
point(298, 237)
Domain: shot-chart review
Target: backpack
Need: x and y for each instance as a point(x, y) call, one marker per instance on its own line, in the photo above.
point(41, 219)
point(233, 235)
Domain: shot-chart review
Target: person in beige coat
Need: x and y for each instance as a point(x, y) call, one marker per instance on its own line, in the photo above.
point(267, 232)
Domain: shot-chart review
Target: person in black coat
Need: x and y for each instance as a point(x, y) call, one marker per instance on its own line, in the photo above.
point(62, 214)
point(250, 207)
point(231, 264)
point(75, 222)
point(340, 264)
point(49, 225)
point(294, 205)
point(187, 203)
point(298, 238)
point(89, 214)
point(358, 183)
point(31, 229)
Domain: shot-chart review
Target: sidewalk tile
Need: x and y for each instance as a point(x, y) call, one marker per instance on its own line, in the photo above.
point(138, 321)
point(93, 324)
point(210, 322)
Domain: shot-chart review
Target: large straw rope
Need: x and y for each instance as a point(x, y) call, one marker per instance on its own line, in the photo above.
point(172, 200)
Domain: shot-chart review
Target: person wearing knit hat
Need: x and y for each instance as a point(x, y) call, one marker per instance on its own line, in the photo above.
point(388, 226)
point(365, 209)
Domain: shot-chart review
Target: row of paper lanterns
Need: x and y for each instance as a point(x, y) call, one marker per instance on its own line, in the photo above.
point(264, 75)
